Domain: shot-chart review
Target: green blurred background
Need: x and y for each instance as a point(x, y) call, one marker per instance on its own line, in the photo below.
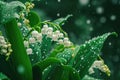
point(90, 18)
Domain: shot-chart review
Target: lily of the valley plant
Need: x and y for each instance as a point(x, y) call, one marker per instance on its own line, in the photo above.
point(31, 49)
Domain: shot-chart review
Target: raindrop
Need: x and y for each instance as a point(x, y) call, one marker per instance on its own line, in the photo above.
point(113, 17)
point(58, 14)
point(99, 10)
point(46, 2)
point(83, 2)
point(20, 69)
point(110, 43)
point(103, 19)
point(88, 21)
point(82, 58)
point(59, 1)
point(91, 29)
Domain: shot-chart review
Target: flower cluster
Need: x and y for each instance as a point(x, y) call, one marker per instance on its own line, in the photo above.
point(56, 36)
point(35, 37)
point(49, 32)
point(5, 47)
point(99, 64)
point(22, 15)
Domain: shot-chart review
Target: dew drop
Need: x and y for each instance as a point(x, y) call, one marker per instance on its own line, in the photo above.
point(58, 14)
point(20, 69)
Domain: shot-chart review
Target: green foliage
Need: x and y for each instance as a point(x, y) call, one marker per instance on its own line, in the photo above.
point(88, 53)
point(9, 11)
point(61, 21)
point(50, 60)
point(3, 77)
point(34, 20)
point(19, 56)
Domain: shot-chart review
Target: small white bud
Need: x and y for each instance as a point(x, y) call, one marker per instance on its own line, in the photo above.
point(22, 15)
point(66, 39)
point(45, 26)
point(39, 37)
point(67, 43)
point(31, 40)
point(43, 31)
point(29, 51)
point(9, 45)
point(4, 51)
point(54, 37)
point(61, 35)
point(5, 46)
point(50, 29)
point(60, 41)
point(34, 33)
point(49, 34)
point(1, 38)
point(19, 24)
point(26, 44)
point(26, 21)
point(57, 32)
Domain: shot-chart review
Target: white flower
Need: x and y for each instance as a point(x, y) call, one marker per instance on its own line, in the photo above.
point(50, 29)
point(19, 24)
point(26, 43)
point(49, 34)
point(45, 26)
point(29, 51)
point(60, 41)
point(4, 51)
point(61, 35)
point(31, 40)
point(65, 39)
point(5, 46)
point(67, 43)
point(1, 38)
point(26, 21)
point(99, 64)
point(34, 33)
point(54, 37)
point(57, 32)
point(39, 37)
point(44, 30)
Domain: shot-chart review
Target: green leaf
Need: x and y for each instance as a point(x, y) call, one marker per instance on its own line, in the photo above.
point(89, 78)
point(3, 77)
point(62, 72)
point(61, 21)
point(19, 60)
point(40, 66)
point(34, 19)
point(88, 53)
point(36, 55)
point(5, 66)
point(66, 55)
point(9, 11)
point(57, 49)
point(45, 46)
